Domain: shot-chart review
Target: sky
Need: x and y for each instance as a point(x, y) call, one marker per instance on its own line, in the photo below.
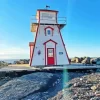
point(81, 34)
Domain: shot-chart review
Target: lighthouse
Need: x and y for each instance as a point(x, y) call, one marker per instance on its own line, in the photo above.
point(48, 47)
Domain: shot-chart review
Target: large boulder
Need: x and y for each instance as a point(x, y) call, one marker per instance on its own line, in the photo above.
point(78, 60)
point(81, 59)
point(86, 60)
point(93, 61)
point(28, 87)
point(75, 60)
point(2, 63)
point(98, 62)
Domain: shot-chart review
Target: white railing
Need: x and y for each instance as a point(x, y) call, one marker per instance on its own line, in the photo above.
point(60, 20)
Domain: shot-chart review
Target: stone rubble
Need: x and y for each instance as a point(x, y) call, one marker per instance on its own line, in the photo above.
point(85, 88)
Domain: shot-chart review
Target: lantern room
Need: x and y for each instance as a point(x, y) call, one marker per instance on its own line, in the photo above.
point(44, 17)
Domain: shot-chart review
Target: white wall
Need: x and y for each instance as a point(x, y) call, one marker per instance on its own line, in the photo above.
point(41, 38)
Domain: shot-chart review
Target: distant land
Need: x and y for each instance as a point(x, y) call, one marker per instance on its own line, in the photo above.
point(10, 60)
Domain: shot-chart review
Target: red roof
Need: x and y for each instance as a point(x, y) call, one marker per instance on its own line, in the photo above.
point(49, 27)
point(49, 41)
point(31, 43)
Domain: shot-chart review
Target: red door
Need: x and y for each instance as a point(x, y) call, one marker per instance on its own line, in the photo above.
point(50, 56)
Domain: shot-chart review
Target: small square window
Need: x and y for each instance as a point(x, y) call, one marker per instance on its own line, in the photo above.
point(48, 31)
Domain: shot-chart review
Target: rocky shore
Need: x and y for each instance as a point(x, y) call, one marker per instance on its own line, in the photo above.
point(52, 86)
point(21, 61)
point(82, 60)
point(86, 87)
point(86, 60)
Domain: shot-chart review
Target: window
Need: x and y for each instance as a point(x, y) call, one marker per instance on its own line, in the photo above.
point(48, 32)
point(50, 52)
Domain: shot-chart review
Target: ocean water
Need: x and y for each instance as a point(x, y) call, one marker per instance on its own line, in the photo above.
point(12, 60)
point(9, 60)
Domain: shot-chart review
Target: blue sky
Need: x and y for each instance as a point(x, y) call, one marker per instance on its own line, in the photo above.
point(81, 34)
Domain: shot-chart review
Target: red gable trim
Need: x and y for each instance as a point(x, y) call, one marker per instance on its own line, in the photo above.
point(49, 27)
point(63, 44)
point(49, 41)
point(35, 41)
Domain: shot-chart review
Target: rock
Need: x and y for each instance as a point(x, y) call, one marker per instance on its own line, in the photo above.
point(27, 87)
point(81, 59)
point(75, 60)
point(92, 61)
point(98, 62)
point(97, 93)
point(95, 61)
point(93, 88)
point(86, 60)
point(22, 61)
point(81, 88)
point(2, 63)
point(81, 79)
point(75, 84)
point(95, 98)
point(78, 60)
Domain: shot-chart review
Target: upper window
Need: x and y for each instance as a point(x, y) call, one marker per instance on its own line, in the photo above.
point(48, 32)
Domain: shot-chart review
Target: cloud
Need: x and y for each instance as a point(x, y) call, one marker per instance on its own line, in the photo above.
point(10, 52)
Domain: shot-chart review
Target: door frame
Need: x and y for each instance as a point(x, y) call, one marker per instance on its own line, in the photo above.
point(45, 49)
point(53, 55)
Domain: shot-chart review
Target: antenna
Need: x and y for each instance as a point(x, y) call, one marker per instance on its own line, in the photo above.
point(47, 6)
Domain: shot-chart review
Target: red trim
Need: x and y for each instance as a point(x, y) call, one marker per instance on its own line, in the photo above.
point(45, 55)
point(55, 55)
point(34, 46)
point(49, 48)
point(35, 40)
point(50, 28)
point(63, 44)
point(30, 52)
point(49, 41)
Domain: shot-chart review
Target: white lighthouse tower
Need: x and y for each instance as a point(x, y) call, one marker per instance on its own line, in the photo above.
point(48, 47)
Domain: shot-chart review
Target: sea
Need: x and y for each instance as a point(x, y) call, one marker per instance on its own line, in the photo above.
point(10, 60)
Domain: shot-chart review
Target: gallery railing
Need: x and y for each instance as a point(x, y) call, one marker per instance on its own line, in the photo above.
point(60, 20)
